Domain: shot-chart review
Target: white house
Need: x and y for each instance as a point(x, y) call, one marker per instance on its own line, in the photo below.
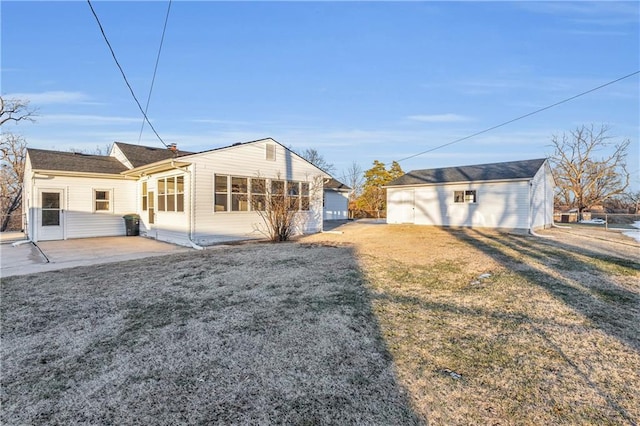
point(511, 195)
point(185, 198)
point(336, 200)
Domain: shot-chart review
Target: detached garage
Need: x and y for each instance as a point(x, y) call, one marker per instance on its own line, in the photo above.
point(510, 195)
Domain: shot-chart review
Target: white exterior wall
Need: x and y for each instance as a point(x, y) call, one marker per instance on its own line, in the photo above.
point(336, 205)
point(247, 160)
point(198, 223)
point(119, 155)
point(542, 186)
point(79, 218)
point(499, 205)
point(168, 226)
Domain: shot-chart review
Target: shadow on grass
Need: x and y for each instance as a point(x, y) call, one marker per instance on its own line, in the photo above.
point(256, 334)
point(558, 268)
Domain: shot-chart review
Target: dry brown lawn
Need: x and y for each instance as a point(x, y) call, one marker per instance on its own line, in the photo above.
point(254, 334)
point(379, 325)
point(552, 336)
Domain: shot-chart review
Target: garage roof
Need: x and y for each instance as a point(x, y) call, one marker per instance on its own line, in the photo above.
point(482, 172)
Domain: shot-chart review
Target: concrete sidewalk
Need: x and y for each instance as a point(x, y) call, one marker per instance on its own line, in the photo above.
point(28, 258)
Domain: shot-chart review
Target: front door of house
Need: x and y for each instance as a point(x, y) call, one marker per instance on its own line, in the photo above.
point(51, 215)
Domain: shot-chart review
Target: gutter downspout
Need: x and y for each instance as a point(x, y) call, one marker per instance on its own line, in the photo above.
point(191, 206)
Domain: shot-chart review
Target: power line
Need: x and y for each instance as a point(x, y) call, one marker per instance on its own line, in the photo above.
point(155, 69)
point(521, 117)
point(144, 114)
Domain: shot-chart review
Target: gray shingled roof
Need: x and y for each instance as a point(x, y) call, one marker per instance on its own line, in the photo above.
point(481, 172)
point(73, 162)
point(140, 155)
point(335, 184)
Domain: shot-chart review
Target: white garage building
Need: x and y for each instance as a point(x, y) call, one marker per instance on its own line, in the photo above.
point(510, 195)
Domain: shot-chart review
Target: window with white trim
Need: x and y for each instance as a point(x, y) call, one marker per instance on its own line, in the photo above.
point(467, 197)
point(293, 192)
point(145, 197)
point(221, 188)
point(171, 194)
point(304, 196)
point(239, 194)
point(258, 194)
point(102, 200)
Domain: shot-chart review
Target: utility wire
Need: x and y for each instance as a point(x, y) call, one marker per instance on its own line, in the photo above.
point(123, 74)
point(155, 69)
point(521, 117)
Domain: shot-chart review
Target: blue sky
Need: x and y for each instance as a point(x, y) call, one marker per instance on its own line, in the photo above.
point(358, 81)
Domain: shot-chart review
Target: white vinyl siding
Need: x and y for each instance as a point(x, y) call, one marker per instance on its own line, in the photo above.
point(80, 218)
point(542, 186)
point(172, 225)
point(192, 190)
point(248, 160)
point(498, 205)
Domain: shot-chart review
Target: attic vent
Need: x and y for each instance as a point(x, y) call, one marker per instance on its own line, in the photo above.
point(271, 152)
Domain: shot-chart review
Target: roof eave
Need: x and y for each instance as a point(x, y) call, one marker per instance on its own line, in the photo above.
point(157, 167)
point(69, 173)
point(461, 182)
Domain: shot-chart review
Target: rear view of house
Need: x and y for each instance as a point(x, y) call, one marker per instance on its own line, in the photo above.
point(510, 195)
point(184, 198)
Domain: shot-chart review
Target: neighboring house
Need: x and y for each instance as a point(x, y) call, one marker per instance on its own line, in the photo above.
point(511, 195)
point(336, 200)
point(184, 198)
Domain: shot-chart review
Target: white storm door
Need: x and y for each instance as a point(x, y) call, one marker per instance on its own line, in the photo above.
point(51, 215)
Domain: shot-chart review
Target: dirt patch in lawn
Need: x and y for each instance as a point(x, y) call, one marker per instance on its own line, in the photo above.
point(494, 328)
point(255, 334)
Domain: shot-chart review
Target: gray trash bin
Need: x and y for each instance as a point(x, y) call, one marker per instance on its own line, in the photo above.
point(132, 224)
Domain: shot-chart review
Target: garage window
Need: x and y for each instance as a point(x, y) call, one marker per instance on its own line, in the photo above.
point(469, 196)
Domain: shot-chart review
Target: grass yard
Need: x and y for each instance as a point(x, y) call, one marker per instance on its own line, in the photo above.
point(552, 336)
point(379, 325)
point(254, 334)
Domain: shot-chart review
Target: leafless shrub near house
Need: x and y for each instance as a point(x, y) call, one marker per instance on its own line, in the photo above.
point(283, 205)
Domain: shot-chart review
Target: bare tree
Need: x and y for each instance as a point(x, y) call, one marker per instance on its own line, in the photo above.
point(314, 157)
point(354, 178)
point(582, 177)
point(15, 110)
point(14, 154)
point(633, 199)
